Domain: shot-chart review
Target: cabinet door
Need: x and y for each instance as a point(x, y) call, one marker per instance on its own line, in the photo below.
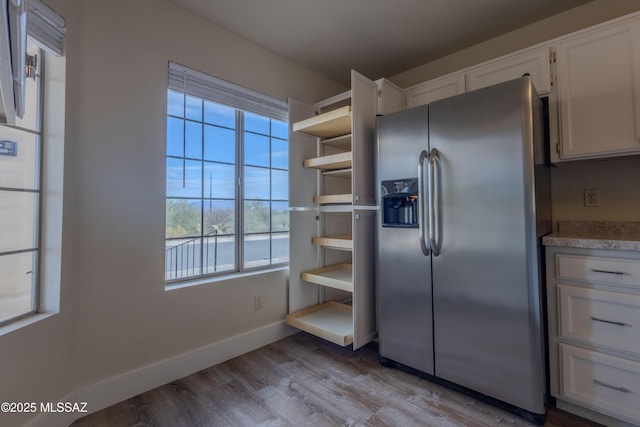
point(364, 297)
point(534, 63)
point(436, 89)
point(599, 92)
point(302, 181)
point(363, 117)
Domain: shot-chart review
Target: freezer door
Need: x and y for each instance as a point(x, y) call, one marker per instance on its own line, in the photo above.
point(487, 326)
point(403, 271)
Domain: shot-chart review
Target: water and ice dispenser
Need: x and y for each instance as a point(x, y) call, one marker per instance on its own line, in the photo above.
point(400, 203)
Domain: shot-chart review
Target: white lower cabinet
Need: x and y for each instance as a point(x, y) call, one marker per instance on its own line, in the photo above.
point(601, 381)
point(603, 318)
point(593, 299)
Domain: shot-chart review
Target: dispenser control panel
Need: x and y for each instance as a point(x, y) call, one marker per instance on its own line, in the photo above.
point(400, 203)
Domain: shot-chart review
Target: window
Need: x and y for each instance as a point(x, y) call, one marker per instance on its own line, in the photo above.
point(20, 204)
point(31, 161)
point(226, 178)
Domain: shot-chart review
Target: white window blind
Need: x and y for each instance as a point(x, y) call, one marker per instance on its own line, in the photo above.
point(45, 26)
point(204, 86)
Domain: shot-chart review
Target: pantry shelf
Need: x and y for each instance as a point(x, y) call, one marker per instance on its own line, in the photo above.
point(338, 276)
point(327, 125)
point(330, 162)
point(342, 142)
point(330, 320)
point(337, 242)
point(333, 198)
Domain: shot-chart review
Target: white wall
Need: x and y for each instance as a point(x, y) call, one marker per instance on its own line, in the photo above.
point(616, 179)
point(116, 316)
point(36, 352)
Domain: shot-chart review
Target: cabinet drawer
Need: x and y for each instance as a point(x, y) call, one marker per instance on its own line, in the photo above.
point(600, 317)
point(596, 269)
point(606, 383)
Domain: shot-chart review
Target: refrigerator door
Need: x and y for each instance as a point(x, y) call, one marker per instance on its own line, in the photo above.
point(487, 322)
point(403, 270)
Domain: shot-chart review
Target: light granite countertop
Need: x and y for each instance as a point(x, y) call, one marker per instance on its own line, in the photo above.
point(617, 235)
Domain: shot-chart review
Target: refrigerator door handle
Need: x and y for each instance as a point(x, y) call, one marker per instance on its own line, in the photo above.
point(423, 224)
point(435, 214)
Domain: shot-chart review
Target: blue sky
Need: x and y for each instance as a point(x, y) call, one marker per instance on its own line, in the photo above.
point(264, 139)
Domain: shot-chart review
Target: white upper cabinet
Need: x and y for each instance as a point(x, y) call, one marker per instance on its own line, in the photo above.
point(390, 97)
point(433, 90)
point(599, 92)
point(529, 62)
point(534, 62)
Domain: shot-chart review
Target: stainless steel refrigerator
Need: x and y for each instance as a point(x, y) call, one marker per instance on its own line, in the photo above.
point(463, 199)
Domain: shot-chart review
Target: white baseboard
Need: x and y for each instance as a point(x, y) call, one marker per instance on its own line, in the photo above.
point(124, 386)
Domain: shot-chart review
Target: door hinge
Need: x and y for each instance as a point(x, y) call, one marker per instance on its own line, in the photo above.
point(552, 57)
point(31, 66)
point(558, 147)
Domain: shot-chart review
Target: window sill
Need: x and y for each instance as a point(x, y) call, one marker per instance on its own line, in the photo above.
point(24, 322)
point(223, 278)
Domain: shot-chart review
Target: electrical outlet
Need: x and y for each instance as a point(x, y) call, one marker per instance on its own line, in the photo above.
point(257, 302)
point(591, 197)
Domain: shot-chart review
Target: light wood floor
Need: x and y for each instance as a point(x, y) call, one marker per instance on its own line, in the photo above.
point(305, 381)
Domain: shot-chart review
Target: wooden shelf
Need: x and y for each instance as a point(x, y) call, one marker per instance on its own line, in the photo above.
point(338, 242)
point(342, 142)
point(333, 198)
point(330, 162)
point(336, 208)
point(330, 320)
point(338, 276)
point(327, 125)
point(339, 173)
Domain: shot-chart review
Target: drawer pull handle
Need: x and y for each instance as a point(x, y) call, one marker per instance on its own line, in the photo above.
point(613, 322)
point(618, 273)
point(620, 389)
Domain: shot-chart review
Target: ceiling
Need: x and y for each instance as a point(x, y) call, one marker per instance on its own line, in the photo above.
point(378, 38)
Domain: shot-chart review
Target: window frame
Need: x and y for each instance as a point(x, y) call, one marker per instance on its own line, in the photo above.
point(38, 192)
point(190, 83)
